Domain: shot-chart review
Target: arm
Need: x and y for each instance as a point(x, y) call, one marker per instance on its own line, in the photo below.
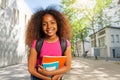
point(32, 65)
point(64, 69)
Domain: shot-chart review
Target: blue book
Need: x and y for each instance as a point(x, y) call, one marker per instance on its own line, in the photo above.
point(51, 65)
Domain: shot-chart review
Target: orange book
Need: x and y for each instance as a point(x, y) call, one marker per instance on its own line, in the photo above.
point(60, 59)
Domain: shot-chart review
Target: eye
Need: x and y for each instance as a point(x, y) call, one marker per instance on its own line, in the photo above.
point(53, 22)
point(44, 24)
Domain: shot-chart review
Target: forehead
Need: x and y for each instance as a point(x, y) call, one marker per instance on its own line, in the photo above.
point(48, 17)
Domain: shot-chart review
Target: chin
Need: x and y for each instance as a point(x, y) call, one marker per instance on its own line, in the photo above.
point(50, 35)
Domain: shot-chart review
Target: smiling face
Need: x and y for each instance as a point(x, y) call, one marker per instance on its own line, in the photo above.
point(49, 25)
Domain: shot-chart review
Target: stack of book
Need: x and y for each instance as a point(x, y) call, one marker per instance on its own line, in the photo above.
point(53, 62)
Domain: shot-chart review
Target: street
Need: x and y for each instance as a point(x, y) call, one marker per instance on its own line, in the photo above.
point(82, 69)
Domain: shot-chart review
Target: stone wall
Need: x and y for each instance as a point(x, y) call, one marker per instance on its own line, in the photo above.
point(12, 46)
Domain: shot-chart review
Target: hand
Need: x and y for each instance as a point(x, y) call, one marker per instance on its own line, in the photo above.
point(47, 79)
point(41, 70)
point(40, 67)
point(57, 77)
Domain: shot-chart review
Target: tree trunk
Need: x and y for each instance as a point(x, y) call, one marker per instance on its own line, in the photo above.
point(94, 38)
point(82, 40)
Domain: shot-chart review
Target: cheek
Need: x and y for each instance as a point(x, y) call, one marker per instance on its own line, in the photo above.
point(56, 26)
point(43, 28)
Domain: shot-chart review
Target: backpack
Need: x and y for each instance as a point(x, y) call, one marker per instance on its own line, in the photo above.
point(39, 44)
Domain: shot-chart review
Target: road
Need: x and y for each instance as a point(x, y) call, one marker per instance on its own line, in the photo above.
point(82, 69)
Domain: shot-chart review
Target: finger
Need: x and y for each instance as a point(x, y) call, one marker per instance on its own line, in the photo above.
point(40, 67)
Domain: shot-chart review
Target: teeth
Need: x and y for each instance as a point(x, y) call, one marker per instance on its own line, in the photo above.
point(49, 31)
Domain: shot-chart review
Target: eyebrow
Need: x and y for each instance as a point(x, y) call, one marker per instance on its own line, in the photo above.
point(49, 21)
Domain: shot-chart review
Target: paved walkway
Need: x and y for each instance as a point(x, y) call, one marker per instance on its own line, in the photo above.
point(82, 69)
point(15, 72)
point(90, 69)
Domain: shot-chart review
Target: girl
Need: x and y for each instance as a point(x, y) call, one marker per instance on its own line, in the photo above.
point(50, 25)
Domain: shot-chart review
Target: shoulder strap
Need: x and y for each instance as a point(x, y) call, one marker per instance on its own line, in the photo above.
point(63, 44)
point(39, 44)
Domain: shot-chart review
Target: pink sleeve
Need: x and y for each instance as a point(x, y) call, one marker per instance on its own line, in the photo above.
point(68, 43)
point(34, 44)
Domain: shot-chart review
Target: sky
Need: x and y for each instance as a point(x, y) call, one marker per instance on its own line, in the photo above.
point(35, 4)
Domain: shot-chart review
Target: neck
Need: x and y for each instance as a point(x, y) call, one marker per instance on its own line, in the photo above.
point(51, 38)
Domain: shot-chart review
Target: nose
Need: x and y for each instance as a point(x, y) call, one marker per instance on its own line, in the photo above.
point(48, 25)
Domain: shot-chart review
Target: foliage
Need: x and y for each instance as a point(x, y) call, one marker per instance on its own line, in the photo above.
point(83, 16)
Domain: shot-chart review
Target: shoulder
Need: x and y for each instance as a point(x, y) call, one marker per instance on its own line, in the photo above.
point(68, 43)
point(34, 43)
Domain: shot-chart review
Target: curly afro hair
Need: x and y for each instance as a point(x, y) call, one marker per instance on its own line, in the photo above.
point(34, 28)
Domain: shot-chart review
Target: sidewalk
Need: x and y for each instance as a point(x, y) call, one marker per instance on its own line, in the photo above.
point(91, 69)
point(15, 72)
point(82, 69)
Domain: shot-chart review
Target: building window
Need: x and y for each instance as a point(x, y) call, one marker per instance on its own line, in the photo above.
point(117, 38)
point(101, 42)
point(92, 43)
point(3, 4)
point(112, 38)
point(25, 19)
point(15, 17)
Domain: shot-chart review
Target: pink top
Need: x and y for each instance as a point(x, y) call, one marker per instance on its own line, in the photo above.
point(49, 49)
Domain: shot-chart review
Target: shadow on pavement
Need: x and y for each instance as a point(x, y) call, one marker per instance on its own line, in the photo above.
point(16, 72)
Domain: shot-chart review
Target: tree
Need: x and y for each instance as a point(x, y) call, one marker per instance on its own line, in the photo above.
point(81, 31)
point(78, 10)
point(112, 14)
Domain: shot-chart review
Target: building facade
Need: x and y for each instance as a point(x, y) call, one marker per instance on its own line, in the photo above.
point(79, 48)
point(107, 41)
point(14, 15)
